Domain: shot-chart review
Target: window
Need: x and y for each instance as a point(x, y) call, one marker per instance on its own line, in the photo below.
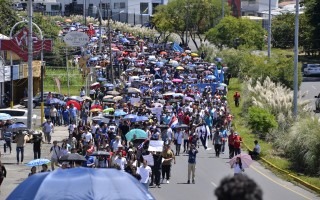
point(144, 8)
point(105, 6)
point(13, 112)
point(154, 5)
point(55, 7)
point(120, 5)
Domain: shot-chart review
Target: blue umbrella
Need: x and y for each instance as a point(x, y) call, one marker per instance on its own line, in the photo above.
point(17, 127)
point(108, 85)
point(37, 162)
point(118, 113)
point(53, 101)
point(5, 116)
point(90, 184)
point(101, 79)
point(93, 59)
point(130, 116)
point(210, 77)
point(142, 118)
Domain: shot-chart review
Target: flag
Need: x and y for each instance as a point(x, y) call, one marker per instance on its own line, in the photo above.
point(142, 144)
point(177, 48)
point(174, 121)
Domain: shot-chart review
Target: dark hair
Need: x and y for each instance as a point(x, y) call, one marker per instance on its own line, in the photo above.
point(238, 187)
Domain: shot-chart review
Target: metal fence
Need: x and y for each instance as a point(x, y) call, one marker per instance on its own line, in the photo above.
point(129, 18)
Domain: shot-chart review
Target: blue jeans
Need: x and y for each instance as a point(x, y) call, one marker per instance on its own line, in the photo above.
point(20, 149)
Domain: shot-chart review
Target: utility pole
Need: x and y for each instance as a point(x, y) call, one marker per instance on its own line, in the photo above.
point(30, 71)
point(269, 30)
point(110, 50)
point(84, 12)
point(67, 63)
point(100, 28)
point(296, 53)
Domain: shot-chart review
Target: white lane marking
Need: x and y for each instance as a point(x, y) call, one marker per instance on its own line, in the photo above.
point(280, 184)
point(314, 87)
point(215, 185)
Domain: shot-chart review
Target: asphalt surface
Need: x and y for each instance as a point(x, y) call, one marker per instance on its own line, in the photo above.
point(310, 87)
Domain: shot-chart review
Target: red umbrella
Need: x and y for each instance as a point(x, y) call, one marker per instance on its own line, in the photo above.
point(163, 53)
point(75, 103)
point(96, 106)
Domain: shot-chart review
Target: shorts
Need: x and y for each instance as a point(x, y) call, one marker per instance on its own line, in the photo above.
point(54, 159)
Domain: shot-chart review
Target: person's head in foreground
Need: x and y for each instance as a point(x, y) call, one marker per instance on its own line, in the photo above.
point(238, 188)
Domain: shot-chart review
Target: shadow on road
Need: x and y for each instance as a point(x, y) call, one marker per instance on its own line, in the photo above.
point(311, 79)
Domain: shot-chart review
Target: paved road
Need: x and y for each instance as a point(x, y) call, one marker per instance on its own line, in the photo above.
point(311, 87)
point(211, 170)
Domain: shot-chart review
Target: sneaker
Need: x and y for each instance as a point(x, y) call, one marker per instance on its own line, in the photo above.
point(193, 182)
point(159, 186)
point(162, 181)
point(208, 149)
point(188, 181)
point(168, 182)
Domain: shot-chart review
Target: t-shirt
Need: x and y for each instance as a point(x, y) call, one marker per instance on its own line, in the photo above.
point(167, 154)
point(237, 140)
point(144, 173)
point(192, 156)
point(121, 161)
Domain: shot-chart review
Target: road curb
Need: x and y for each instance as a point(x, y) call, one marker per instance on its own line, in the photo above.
point(298, 180)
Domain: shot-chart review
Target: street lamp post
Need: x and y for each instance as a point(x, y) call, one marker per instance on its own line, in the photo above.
point(296, 53)
point(110, 44)
point(30, 70)
point(269, 30)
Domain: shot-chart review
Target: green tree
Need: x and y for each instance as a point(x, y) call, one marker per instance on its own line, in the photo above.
point(8, 17)
point(194, 18)
point(232, 32)
point(283, 31)
point(313, 18)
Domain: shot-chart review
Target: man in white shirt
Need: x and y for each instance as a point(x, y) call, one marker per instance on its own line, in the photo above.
point(120, 161)
point(178, 140)
point(145, 172)
point(47, 129)
point(87, 136)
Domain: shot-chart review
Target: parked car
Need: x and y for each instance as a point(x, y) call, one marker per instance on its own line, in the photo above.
point(37, 99)
point(19, 115)
point(17, 6)
point(311, 69)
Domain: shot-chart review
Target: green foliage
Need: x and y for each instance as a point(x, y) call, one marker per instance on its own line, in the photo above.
point(261, 121)
point(8, 17)
point(283, 31)
point(189, 18)
point(48, 27)
point(230, 29)
point(254, 64)
point(313, 18)
point(302, 145)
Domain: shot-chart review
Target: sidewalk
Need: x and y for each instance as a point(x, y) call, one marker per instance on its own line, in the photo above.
point(17, 173)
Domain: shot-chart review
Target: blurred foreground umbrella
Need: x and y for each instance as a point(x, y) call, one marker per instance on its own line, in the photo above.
point(37, 162)
point(90, 184)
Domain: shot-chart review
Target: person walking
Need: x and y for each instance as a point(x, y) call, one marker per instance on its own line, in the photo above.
point(55, 150)
point(178, 136)
point(168, 156)
point(237, 167)
point(37, 141)
point(145, 172)
point(237, 144)
point(21, 140)
point(217, 141)
point(8, 140)
point(156, 171)
point(236, 98)
point(192, 163)
point(48, 129)
point(3, 172)
point(231, 143)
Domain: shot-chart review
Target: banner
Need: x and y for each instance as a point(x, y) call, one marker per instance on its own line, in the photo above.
point(155, 145)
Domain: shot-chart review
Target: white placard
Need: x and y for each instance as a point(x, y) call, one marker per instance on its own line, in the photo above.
point(133, 101)
point(155, 145)
point(149, 159)
point(76, 39)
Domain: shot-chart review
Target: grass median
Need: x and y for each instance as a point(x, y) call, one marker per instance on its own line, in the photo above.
point(267, 150)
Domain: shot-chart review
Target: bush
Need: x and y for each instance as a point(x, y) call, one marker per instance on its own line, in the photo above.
point(261, 121)
point(302, 145)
